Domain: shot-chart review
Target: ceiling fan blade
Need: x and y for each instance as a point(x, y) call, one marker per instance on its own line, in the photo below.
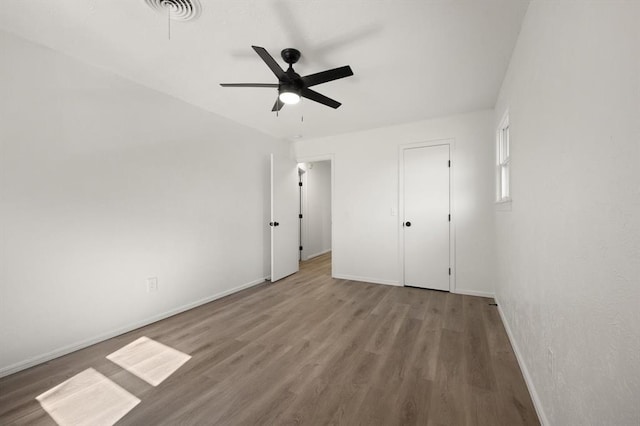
point(271, 63)
point(248, 85)
point(329, 75)
point(315, 96)
point(277, 106)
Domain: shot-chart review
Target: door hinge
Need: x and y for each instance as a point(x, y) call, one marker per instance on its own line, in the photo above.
point(449, 271)
point(449, 218)
point(299, 183)
point(300, 248)
point(300, 216)
point(449, 164)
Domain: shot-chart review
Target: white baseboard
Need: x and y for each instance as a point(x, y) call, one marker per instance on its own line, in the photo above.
point(366, 279)
point(474, 293)
point(311, 256)
point(56, 353)
point(523, 367)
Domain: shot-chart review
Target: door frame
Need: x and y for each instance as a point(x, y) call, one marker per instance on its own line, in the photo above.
point(312, 159)
point(452, 226)
point(302, 228)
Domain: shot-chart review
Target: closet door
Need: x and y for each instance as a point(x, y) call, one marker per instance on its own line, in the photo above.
point(426, 217)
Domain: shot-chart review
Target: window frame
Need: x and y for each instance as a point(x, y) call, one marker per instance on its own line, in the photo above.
point(503, 161)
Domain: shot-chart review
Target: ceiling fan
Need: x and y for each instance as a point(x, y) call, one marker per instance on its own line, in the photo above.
point(291, 86)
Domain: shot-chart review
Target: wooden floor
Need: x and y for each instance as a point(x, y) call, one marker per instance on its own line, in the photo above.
point(310, 349)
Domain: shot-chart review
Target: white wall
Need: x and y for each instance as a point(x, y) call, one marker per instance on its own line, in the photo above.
point(316, 235)
point(105, 183)
point(366, 167)
point(569, 249)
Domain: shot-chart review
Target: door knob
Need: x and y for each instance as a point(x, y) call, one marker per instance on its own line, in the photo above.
point(407, 224)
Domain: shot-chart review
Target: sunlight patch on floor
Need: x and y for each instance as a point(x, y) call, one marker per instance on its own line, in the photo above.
point(151, 361)
point(88, 398)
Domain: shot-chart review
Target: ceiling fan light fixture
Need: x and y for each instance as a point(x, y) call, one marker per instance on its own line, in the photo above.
point(289, 97)
point(291, 86)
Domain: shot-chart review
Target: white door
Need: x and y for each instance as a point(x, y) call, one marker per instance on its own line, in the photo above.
point(284, 217)
point(426, 217)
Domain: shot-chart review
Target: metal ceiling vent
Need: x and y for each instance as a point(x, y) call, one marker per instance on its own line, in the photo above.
point(178, 10)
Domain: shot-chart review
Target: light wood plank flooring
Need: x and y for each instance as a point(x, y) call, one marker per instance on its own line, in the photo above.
point(312, 350)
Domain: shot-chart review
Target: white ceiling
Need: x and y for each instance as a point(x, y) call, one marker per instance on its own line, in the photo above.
point(412, 59)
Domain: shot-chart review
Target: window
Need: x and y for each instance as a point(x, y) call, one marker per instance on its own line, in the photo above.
point(503, 161)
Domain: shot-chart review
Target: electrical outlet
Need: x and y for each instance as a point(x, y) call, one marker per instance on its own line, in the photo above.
point(152, 285)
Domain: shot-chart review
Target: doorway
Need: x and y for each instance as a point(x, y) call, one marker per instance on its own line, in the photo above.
point(316, 206)
point(426, 236)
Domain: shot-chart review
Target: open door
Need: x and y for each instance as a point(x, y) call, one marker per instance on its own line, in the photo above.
point(284, 217)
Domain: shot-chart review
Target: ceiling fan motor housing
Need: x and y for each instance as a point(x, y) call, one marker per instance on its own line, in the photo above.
point(294, 83)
